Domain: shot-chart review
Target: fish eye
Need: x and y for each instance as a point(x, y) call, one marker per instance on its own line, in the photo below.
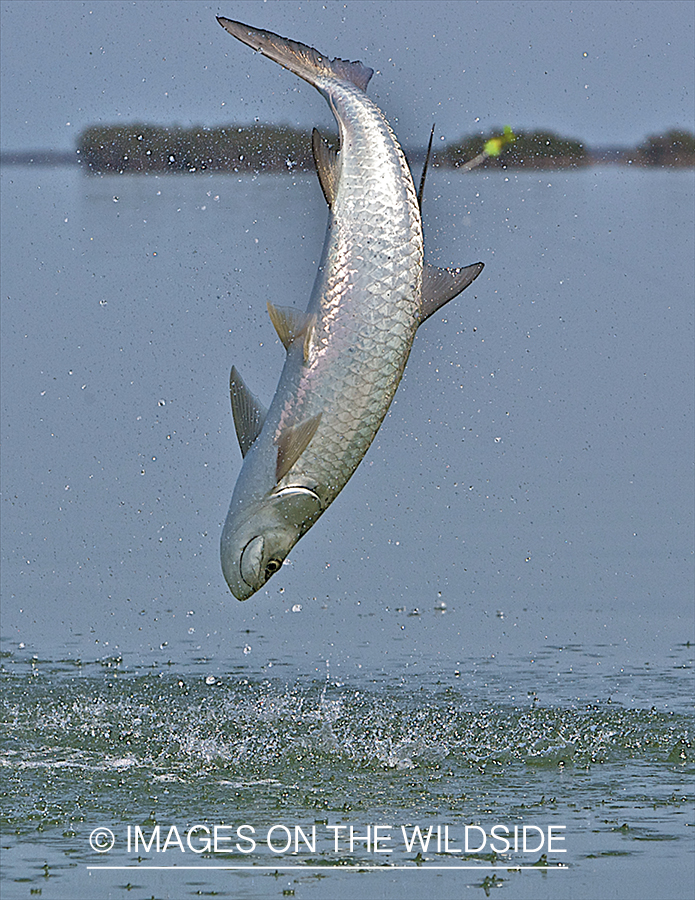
point(272, 567)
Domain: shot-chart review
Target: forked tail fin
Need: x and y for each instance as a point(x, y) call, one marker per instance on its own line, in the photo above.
point(301, 59)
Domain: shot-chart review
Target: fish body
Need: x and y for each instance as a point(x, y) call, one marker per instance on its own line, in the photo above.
point(345, 354)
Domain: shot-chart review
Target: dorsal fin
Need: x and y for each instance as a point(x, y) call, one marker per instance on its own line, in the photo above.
point(289, 323)
point(292, 442)
point(441, 285)
point(327, 165)
point(421, 189)
point(248, 413)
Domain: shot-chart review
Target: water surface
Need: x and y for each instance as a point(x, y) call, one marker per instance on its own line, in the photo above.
point(491, 625)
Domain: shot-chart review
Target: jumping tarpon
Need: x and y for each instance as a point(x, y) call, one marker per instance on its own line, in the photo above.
point(345, 354)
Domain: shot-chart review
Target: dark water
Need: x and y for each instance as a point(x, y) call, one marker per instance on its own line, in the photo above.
point(492, 626)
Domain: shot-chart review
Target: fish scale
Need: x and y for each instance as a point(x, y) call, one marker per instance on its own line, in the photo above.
point(346, 354)
point(367, 296)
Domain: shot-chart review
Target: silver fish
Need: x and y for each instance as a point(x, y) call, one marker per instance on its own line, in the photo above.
point(345, 354)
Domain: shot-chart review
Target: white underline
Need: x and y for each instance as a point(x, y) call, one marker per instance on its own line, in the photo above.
point(414, 867)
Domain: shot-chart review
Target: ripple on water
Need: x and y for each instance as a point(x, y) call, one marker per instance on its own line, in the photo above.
point(135, 735)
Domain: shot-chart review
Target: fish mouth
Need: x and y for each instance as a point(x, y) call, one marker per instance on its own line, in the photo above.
point(254, 571)
point(242, 571)
point(251, 560)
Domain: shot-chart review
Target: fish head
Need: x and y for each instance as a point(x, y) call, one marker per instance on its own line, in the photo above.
point(255, 543)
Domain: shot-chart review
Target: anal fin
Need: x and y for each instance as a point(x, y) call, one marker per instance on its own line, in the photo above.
point(441, 285)
point(247, 411)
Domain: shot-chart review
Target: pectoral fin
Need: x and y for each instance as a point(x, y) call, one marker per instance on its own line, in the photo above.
point(327, 166)
point(441, 285)
point(248, 412)
point(292, 442)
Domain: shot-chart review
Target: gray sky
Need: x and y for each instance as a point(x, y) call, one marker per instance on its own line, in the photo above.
point(607, 72)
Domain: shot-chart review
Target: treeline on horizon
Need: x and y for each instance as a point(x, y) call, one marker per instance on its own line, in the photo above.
point(257, 148)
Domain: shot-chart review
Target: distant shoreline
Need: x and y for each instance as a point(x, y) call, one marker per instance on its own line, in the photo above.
point(39, 158)
point(139, 149)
